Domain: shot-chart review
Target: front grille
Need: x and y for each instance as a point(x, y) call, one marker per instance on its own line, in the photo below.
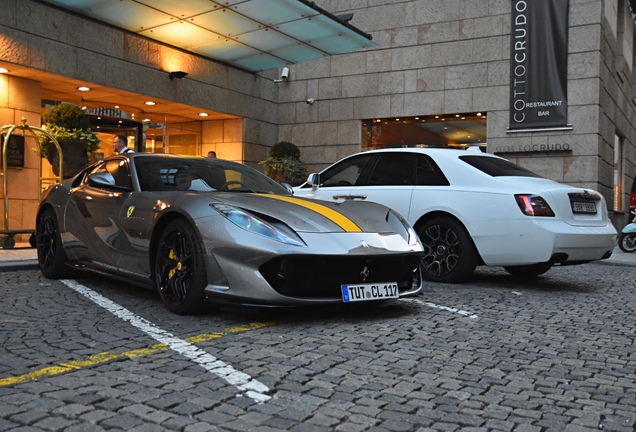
point(321, 276)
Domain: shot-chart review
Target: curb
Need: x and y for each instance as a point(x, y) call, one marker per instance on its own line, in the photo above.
point(19, 266)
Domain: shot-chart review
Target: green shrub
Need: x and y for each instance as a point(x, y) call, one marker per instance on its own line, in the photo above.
point(284, 164)
point(284, 149)
point(67, 122)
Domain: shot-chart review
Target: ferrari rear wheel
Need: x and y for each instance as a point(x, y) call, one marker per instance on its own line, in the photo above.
point(51, 255)
point(449, 252)
point(180, 269)
point(528, 271)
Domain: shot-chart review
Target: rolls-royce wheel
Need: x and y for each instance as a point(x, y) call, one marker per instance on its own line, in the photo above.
point(180, 269)
point(449, 252)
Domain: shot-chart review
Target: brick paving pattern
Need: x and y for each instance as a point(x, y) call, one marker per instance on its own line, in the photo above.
point(555, 354)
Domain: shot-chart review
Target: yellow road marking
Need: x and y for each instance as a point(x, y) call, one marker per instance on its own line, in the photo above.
point(338, 218)
point(107, 356)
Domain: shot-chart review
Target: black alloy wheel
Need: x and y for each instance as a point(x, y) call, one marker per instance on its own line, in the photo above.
point(51, 255)
point(528, 271)
point(449, 252)
point(180, 269)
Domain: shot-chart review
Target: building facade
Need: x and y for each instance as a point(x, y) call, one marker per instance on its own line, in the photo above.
point(439, 74)
point(452, 57)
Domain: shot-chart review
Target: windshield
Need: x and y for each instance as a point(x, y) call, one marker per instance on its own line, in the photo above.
point(496, 167)
point(201, 175)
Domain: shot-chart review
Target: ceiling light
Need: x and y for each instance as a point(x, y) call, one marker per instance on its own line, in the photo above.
point(146, 120)
point(203, 114)
point(478, 114)
point(149, 103)
point(177, 74)
point(4, 70)
point(84, 88)
point(456, 115)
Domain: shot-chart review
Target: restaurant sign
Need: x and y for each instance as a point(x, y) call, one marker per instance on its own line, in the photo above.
point(538, 64)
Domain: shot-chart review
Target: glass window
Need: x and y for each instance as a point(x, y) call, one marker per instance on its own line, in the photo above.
point(496, 167)
point(118, 168)
point(201, 175)
point(394, 169)
point(428, 173)
point(346, 173)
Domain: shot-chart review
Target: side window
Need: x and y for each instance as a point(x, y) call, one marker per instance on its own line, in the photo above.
point(428, 173)
point(394, 169)
point(346, 173)
point(118, 168)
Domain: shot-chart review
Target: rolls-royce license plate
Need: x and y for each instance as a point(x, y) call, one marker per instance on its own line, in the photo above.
point(583, 207)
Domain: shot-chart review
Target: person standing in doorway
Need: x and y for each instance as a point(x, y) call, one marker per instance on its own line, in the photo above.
point(211, 154)
point(119, 144)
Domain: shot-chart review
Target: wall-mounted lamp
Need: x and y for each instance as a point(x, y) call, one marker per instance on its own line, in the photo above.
point(177, 74)
point(310, 101)
point(284, 75)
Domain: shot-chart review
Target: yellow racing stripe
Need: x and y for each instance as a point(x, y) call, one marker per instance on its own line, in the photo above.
point(338, 218)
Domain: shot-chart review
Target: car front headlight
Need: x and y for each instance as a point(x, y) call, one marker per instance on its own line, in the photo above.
point(402, 227)
point(253, 224)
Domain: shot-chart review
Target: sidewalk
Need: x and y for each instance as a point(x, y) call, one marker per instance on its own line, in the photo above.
point(21, 257)
point(24, 257)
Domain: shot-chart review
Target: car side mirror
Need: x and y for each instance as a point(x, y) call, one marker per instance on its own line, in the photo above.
point(288, 188)
point(104, 180)
point(314, 180)
point(101, 179)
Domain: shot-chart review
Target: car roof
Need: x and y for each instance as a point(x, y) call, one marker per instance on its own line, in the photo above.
point(473, 150)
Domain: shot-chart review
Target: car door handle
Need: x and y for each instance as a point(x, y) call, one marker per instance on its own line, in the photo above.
point(350, 197)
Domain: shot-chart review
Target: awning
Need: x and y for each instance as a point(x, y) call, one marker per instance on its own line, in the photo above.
point(254, 35)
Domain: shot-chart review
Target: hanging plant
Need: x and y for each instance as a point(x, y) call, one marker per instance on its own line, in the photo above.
point(66, 122)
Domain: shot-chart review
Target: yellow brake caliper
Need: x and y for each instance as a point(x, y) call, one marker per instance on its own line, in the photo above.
point(173, 256)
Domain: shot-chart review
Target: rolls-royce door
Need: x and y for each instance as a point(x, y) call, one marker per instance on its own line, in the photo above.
point(337, 182)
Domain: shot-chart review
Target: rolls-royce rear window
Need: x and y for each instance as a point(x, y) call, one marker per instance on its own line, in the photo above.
point(496, 167)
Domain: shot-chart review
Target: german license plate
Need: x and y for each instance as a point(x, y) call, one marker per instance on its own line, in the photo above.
point(583, 207)
point(364, 292)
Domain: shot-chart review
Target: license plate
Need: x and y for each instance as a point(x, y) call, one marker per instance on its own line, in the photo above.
point(375, 291)
point(583, 207)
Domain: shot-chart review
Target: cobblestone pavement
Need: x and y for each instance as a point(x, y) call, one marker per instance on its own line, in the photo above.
point(554, 354)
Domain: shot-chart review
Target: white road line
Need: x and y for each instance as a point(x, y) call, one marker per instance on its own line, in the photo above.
point(252, 388)
point(446, 308)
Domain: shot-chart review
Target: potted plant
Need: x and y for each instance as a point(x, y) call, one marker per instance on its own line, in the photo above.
point(69, 125)
point(284, 165)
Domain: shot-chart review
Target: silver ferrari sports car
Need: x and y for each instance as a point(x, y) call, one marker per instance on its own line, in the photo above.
point(196, 229)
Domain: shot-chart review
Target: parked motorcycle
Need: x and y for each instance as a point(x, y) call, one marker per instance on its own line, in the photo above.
point(627, 238)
